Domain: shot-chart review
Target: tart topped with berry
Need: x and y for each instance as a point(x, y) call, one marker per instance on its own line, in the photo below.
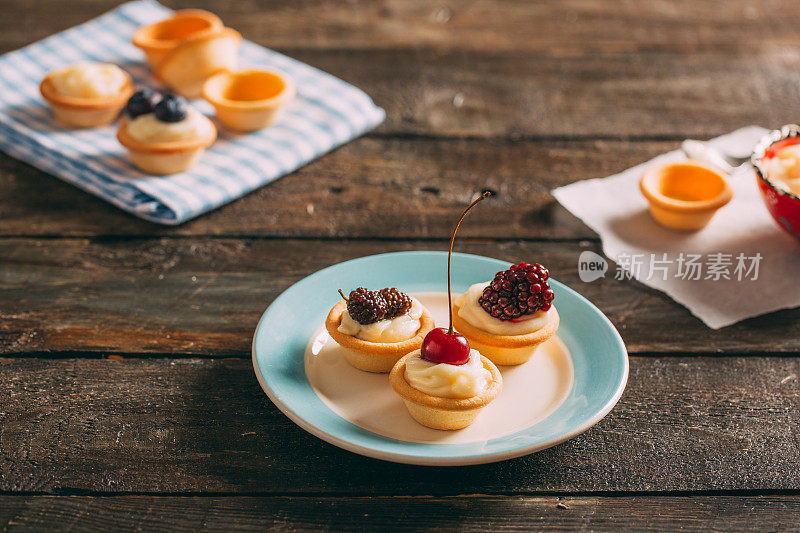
point(508, 317)
point(376, 328)
point(164, 134)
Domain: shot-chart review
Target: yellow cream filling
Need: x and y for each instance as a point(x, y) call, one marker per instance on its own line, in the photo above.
point(89, 80)
point(147, 128)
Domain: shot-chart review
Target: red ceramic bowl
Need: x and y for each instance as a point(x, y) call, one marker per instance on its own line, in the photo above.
point(782, 205)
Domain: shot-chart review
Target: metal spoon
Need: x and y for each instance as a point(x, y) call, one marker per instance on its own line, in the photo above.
point(705, 153)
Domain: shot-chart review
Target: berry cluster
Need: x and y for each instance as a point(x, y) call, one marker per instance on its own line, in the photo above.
point(167, 108)
point(366, 307)
point(397, 303)
point(520, 290)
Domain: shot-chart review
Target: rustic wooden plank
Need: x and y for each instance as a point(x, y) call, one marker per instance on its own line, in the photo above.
point(678, 70)
point(571, 86)
point(178, 425)
point(523, 95)
point(541, 26)
point(204, 296)
point(473, 513)
point(493, 92)
point(375, 187)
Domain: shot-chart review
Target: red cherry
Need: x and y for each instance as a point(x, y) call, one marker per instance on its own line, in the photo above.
point(446, 345)
point(439, 346)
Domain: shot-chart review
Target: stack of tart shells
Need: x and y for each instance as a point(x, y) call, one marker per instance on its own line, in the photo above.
point(187, 48)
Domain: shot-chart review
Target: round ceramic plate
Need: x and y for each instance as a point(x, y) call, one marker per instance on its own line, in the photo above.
point(581, 374)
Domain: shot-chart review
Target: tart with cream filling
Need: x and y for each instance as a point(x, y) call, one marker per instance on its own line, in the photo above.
point(446, 383)
point(87, 95)
point(164, 134)
point(508, 317)
point(377, 328)
point(444, 395)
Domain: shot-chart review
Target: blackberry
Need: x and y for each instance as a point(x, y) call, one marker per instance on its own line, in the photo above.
point(142, 102)
point(365, 306)
point(520, 290)
point(397, 303)
point(171, 108)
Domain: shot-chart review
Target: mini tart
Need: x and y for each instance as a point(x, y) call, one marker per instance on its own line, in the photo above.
point(157, 39)
point(506, 349)
point(85, 112)
point(248, 100)
point(165, 157)
point(374, 356)
point(443, 413)
point(685, 196)
point(189, 64)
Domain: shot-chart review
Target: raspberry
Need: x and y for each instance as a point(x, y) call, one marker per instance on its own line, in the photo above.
point(365, 306)
point(397, 303)
point(520, 290)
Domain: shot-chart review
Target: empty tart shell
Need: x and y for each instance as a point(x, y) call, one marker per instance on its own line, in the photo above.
point(85, 112)
point(443, 413)
point(374, 356)
point(165, 157)
point(157, 39)
point(506, 349)
point(198, 57)
point(248, 100)
point(686, 195)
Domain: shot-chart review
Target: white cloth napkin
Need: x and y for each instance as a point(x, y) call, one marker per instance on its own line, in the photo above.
point(728, 247)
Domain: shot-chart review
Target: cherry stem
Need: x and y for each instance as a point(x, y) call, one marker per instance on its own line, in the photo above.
point(346, 299)
point(483, 196)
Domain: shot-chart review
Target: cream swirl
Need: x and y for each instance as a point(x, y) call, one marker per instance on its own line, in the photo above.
point(471, 311)
point(89, 80)
point(147, 128)
point(397, 329)
point(445, 380)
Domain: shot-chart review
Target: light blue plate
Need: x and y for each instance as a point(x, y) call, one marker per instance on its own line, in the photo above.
point(598, 354)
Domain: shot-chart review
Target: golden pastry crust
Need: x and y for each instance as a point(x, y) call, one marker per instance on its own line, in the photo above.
point(397, 378)
point(507, 341)
point(387, 349)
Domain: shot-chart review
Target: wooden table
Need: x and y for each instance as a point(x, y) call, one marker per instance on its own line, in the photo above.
point(127, 396)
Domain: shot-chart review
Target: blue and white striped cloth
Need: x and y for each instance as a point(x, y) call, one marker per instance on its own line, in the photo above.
point(326, 113)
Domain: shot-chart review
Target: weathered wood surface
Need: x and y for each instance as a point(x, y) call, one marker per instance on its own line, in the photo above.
point(540, 26)
point(376, 187)
point(191, 425)
point(577, 88)
point(369, 513)
point(518, 97)
point(610, 91)
point(524, 95)
point(204, 296)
